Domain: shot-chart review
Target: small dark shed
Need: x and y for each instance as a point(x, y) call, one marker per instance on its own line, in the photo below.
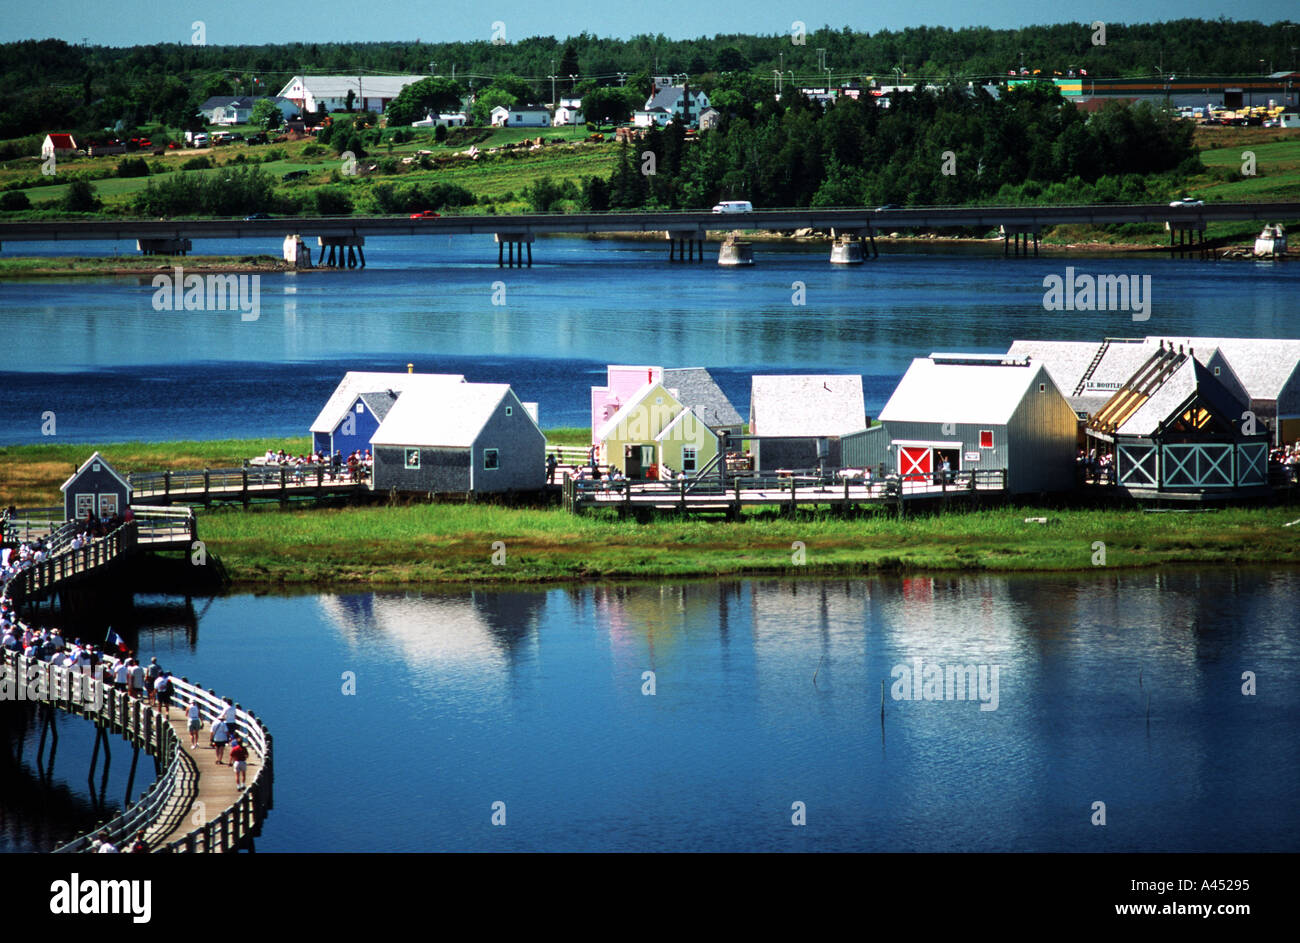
point(97, 487)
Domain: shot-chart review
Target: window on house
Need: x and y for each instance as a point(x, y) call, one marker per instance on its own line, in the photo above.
point(1042, 387)
point(986, 438)
point(510, 410)
point(413, 458)
point(1216, 371)
point(688, 458)
point(361, 408)
point(490, 460)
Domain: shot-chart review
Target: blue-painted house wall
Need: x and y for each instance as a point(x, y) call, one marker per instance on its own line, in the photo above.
point(353, 433)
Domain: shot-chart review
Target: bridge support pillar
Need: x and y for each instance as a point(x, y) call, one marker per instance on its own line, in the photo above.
point(164, 246)
point(735, 252)
point(685, 245)
point(336, 246)
point(1187, 236)
point(296, 252)
point(1020, 235)
point(514, 244)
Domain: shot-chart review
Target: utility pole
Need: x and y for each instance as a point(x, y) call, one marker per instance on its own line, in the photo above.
point(552, 83)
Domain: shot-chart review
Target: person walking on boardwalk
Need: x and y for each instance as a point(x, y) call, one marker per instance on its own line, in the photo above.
point(231, 717)
point(239, 762)
point(551, 463)
point(196, 723)
point(135, 675)
point(162, 693)
point(151, 676)
point(218, 737)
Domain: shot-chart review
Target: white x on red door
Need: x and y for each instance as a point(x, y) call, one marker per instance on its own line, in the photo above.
point(915, 461)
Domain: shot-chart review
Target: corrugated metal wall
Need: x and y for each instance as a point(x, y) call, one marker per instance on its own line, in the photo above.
point(1044, 432)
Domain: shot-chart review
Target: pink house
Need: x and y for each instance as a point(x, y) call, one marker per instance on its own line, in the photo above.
point(620, 385)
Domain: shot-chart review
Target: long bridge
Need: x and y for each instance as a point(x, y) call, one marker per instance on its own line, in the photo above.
point(683, 230)
point(190, 807)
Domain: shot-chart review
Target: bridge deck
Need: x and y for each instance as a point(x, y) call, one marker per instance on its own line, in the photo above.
point(215, 794)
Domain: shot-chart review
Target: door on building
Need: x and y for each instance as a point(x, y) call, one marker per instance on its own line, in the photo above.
point(953, 458)
point(915, 462)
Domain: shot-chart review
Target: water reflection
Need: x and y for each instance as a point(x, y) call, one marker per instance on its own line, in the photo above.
point(769, 692)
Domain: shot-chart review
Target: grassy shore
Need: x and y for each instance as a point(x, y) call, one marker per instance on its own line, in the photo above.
point(30, 475)
point(71, 266)
point(451, 543)
point(456, 543)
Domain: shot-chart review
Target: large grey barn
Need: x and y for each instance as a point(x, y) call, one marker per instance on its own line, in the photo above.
point(978, 412)
point(464, 437)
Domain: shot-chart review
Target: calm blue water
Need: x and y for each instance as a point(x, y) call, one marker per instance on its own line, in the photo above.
point(535, 699)
point(111, 368)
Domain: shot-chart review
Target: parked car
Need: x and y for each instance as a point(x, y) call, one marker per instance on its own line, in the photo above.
point(425, 214)
point(734, 206)
point(1188, 201)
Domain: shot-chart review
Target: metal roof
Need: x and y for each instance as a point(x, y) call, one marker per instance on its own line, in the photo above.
point(449, 417)
point(96, 457)
point(379, 403)
point(1263, 365)
point(356, 382)
point(801, 405)
point(961, 392)
point(697, 389)
point(338, 86)
point(1187, 380)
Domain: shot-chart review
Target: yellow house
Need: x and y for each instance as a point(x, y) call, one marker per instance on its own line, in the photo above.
point(654, 428)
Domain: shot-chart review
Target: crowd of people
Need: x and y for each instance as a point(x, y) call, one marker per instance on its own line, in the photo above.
point(356, 466)
point(124, 671)
point(1288, 457)
point(1096, 468)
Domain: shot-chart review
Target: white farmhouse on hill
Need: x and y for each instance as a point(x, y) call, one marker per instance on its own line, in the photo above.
point(369, 92)
point(521, 116)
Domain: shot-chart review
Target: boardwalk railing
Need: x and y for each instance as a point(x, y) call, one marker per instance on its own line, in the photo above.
point(242, 483)
point(165, 805)
point(33, 524)
point(234, 825)
point(791, 490)
point(40, 578)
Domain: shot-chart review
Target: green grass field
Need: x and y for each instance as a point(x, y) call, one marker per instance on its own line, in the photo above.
point(430, 543)
point(455, 543)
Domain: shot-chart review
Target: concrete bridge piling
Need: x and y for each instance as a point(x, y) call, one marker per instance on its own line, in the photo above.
point(336, 245)
point(1187, 236)
point(685, 245)
point(510, 248)
point(164, 246)
point(1020, 236)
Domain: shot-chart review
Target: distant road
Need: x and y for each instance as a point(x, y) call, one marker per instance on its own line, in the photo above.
point(928, 217)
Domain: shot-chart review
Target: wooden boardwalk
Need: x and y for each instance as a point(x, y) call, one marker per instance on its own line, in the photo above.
point(787, 492)
point(243, 485)
point(194, 805)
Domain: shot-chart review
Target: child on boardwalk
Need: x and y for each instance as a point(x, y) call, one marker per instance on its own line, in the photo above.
point(239, 762)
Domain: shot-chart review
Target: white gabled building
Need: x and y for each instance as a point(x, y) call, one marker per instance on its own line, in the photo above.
point(369, 92)
point(521, 116)
point(679, 102)
point(569, 111)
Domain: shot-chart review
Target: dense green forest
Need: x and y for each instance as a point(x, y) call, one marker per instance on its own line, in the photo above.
point(951, 147)
point(51, 84)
